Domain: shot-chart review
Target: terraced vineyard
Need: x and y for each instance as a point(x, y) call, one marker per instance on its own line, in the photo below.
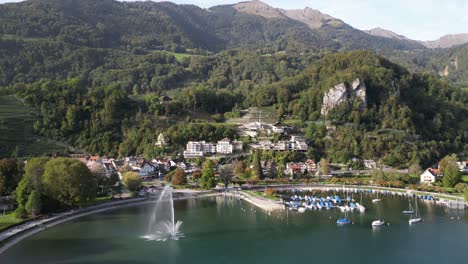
point(16, 131)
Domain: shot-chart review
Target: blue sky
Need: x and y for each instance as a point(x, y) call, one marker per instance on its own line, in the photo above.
point(416, 19)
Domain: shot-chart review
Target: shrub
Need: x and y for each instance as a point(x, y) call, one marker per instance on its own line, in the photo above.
point(21, 212)
point(460, 187)
point(178, 178)
point(269, 192)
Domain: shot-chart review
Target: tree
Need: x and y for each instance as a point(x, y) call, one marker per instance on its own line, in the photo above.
point(178, 178)
point(226, 174)
point(415, 169)
point(281, 169)
point(132, 181)
point(324, 167)
point(449, 169)
point(208, 180)
point(10, 175)
point(69, 181)
point(466, 195)
point(239, 169)
point(34, 204)
point(257, 171)
point(452, 176)
point(32, 180)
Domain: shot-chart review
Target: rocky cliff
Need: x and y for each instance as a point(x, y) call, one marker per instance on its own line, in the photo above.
point(343, 93)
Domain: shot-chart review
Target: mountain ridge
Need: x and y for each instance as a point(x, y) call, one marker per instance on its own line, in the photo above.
point(444, 42)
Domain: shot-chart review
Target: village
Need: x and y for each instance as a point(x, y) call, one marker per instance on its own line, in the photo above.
point(227, 151)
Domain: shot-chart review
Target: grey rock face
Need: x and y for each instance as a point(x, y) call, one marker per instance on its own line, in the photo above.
point(341, 93)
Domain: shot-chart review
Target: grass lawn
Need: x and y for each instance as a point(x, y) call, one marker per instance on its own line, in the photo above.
point(16, 131)
point(262, 195)
point(465, 179)
point(181, 56)
point(7, 220)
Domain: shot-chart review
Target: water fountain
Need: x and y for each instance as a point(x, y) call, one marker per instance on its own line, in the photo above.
point(162, 225)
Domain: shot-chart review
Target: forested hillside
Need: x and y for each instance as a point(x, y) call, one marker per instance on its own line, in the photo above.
point(95, 71)
point(398, 124)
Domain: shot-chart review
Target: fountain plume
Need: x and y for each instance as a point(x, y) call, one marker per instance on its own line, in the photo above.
point(162, 225)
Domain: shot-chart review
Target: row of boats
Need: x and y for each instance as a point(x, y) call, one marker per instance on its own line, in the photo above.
point(413, 211)
point(303, 203)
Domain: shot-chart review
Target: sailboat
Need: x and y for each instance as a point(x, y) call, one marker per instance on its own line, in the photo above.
point(376, 200)
point(417, 217)
point(360, 207)
point(410, 210)
point(345, 220)
point(378, 222)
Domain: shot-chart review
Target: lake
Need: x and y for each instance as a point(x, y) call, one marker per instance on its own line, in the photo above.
point(226, 230)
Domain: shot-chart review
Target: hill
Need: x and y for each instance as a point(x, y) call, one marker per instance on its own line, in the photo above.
point(95, 71)
point(16, 131)
point(396, 124)
point(452, 64)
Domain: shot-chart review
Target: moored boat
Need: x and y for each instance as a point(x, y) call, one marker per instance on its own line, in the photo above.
point(378, 223)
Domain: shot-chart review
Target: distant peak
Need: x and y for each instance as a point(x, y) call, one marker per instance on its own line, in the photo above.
point(381, 32)
point(256, 7)
point(309, 16)
point(447, 41)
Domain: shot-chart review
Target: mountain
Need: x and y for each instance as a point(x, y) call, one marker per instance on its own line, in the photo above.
point(333, 33)
point(311, 17)
point(380, 32)
point(164, 25)
point(94, 72)
point(447, 41)
point(444, 42)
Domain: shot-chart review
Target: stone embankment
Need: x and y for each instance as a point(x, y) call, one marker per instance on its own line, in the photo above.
point(262, 203)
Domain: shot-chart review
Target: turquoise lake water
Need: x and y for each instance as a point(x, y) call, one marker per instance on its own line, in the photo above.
point(224, 230)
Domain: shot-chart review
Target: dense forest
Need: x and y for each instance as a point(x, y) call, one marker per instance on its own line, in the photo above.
point(95, 72)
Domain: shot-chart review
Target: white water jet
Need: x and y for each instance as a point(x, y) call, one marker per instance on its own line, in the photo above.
point(162, 225)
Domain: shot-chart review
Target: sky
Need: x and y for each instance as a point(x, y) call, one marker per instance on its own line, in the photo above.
point(416, 19)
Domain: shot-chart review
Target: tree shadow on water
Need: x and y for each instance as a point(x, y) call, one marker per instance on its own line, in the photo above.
point(57, 250)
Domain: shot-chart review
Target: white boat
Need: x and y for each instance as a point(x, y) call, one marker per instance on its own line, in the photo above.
point(410, 210)
point(378, 223)
point(301, 209)
point(360, 207)
point(416, 218)
point(376, 200)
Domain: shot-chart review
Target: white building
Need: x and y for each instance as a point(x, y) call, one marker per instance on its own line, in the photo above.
point(198, 149)
point(263, 145)
point(145, 168)
point(370, 164)
point(278, 128)
point(161, 140)
point(428, 176)
point(295, 143)
point(224, 146)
